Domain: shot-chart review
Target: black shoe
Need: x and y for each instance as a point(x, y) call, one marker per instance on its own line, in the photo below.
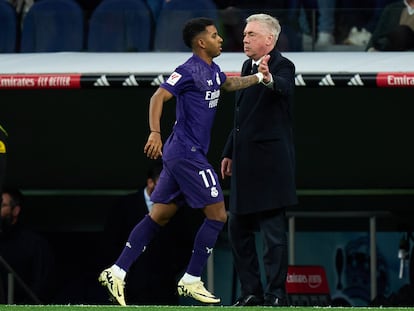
point(249, 300)
point(272, 301)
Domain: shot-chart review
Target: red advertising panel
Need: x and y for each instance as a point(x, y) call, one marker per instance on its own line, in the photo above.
point(306, 280)
point(395, 79)
point(40, 81)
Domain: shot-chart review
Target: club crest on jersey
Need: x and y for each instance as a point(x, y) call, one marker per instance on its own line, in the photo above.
point(174, 78)
point(218, 79)
point(214, 192)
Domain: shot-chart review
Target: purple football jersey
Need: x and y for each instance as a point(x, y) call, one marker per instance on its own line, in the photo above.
point(196, 87)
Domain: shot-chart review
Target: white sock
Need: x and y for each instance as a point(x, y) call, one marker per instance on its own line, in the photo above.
point(188, 278)
point(118, 272)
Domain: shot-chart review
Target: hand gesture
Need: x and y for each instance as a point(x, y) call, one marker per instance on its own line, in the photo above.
point(264, 69)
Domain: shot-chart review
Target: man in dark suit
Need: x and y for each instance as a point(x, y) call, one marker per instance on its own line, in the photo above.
point(260, 158)
point(169, 252)
point(25, 252)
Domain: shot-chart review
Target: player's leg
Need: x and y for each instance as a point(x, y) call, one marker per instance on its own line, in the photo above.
point(144, 232)
point(113, 278)
point(205, 240)
point(201, 188)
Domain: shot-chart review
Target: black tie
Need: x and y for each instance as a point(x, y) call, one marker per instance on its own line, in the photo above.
point(254, 68)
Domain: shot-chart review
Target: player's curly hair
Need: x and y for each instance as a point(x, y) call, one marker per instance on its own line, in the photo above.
point(194, 27)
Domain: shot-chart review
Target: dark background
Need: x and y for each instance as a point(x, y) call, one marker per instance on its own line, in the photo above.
point(73, 152)
point(78, 150)
point(94, 138)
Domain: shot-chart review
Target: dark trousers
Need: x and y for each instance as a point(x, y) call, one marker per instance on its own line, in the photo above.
point(272, 224)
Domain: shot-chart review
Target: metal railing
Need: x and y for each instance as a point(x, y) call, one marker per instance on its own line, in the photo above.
point(12, 276)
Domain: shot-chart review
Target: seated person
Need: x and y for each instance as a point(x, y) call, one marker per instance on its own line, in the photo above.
point(395, 29)
point(153, 278)
point(26, 252)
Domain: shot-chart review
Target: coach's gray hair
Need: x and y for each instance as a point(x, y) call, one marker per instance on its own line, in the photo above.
point(271, 23)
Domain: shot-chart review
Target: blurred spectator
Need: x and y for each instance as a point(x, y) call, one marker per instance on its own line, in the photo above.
point(88, 6)
point(155, 7)
point(318, 14)
point(358, 37)
point(395, 29)
point(356, 20)
point(233, 14)
point(22, 6)
point(169, 251)
point(26, 252)
point(326, 22)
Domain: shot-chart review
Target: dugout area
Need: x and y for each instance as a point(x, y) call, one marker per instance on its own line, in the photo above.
point(77, 145)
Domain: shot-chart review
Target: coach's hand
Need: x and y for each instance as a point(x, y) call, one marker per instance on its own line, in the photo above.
point(225, 168)
point(264, 69)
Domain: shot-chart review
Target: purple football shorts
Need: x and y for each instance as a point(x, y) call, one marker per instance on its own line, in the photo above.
point(195, 179)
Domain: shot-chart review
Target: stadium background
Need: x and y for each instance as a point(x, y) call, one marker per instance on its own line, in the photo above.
point(74, 151)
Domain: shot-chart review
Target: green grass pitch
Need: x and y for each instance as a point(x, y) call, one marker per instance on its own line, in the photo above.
point(183, 308)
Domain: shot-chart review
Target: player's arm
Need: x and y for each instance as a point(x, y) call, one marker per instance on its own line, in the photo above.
point(153, 147)
point(237, 83)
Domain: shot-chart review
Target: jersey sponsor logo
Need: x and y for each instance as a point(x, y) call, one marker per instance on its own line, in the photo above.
point(212, 97)
point(213, 103)
point(174, 78)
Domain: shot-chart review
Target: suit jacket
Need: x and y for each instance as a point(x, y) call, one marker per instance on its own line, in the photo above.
point(261, 142)
point(152, 279)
